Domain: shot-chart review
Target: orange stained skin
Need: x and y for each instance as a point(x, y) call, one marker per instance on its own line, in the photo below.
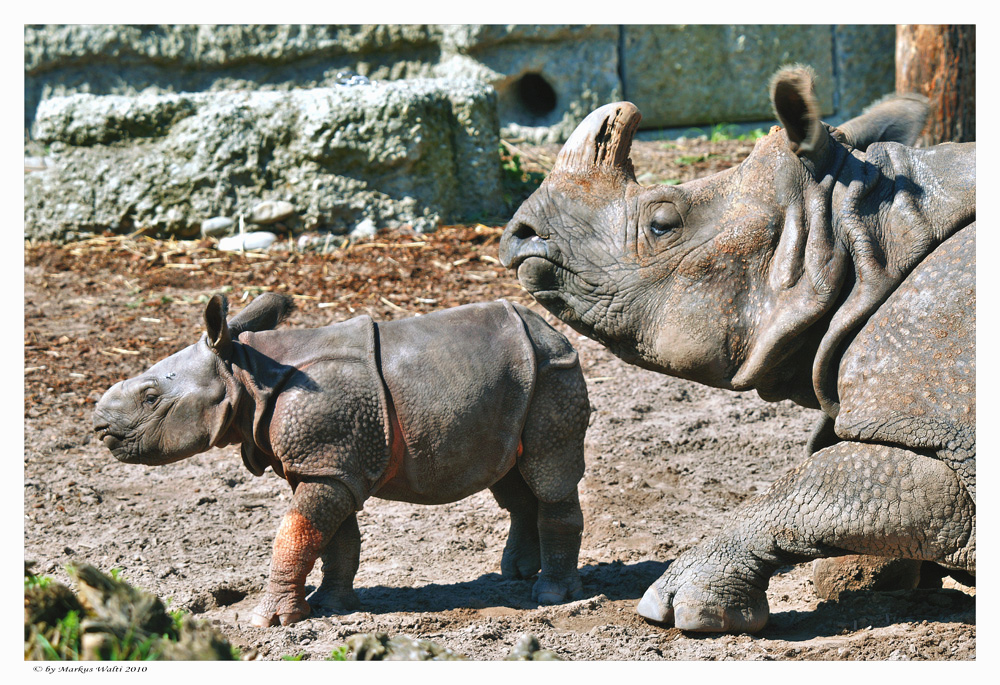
point(397, 449)
point(296, 547)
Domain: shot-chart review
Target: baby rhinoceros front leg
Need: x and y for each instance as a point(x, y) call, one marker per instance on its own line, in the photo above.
point(320, 522)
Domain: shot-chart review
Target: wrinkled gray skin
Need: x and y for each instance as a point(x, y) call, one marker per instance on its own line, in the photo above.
point(827, 268)
point(429, 409)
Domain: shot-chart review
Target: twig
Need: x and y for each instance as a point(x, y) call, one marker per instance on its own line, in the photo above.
point(418, 243)
point(394, 305)
point(543, 160)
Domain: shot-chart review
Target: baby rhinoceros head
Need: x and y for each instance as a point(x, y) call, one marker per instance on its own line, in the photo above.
point(184, 404)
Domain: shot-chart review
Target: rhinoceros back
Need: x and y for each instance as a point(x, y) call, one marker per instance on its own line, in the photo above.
point(460, 381)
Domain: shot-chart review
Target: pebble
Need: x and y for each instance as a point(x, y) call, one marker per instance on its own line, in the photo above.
point(349, 78)
point(271, 211)
point(307, 241)
point(363, 231)
point(425, 225)
point(216, 226)
point(255, 240)
point(321, 243)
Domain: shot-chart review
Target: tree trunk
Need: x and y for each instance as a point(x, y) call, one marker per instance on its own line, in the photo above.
point(940, 62)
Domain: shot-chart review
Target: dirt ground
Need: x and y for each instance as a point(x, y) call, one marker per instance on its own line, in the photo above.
point(666, 460)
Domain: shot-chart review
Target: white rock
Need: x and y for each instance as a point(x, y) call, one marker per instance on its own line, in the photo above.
point(255, 240)
point(363, 231)
point(307, 240)
point(216, 226)
point(270, 211)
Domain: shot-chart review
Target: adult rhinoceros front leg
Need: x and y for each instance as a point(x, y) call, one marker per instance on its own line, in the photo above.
point(848, 498)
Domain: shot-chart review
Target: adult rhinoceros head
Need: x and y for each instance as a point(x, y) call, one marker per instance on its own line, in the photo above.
point(715, 280)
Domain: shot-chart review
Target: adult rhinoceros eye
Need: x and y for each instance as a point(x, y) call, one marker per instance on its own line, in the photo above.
point(666, 218)
point(150, 398)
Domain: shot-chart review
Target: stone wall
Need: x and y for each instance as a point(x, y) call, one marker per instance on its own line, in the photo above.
point(414, 152)
point(546, 77)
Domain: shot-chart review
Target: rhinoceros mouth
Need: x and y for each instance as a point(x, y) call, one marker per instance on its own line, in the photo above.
point(118, 446)
point(121, 447)
point(539, 275)
point(120, 450)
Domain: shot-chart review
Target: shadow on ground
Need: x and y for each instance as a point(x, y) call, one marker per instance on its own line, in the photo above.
point(869, 609)
point(615, 580)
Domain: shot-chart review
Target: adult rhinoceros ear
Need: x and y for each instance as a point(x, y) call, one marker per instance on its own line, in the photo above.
point(896, 118)
point(793, 97)
point(216, 326)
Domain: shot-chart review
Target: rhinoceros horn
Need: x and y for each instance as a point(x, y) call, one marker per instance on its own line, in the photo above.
point(602, 140)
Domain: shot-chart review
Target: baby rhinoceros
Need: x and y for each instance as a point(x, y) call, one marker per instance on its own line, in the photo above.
point(429, 409)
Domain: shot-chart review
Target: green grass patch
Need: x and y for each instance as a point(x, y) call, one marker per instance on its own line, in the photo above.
point(110, 621)
point(517, 183)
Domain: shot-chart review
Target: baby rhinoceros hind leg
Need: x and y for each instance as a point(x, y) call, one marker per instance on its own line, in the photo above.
point(552, 465)
point(522, 557)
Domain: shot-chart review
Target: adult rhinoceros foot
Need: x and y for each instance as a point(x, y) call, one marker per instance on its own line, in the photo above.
point(701, 597)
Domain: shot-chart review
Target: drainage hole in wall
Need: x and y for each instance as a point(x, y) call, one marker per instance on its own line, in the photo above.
point(535, 94)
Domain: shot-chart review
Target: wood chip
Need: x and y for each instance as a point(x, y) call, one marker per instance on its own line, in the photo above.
point(393, 305)
point(416, 243)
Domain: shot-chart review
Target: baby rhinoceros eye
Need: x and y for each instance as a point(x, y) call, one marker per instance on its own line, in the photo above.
point(665, 218)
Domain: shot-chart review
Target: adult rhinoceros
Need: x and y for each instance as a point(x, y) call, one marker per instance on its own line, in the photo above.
point(827, 268)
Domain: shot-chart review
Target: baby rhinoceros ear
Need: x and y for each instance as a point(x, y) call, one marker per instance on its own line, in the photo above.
point(216, 326)
point(264, 313)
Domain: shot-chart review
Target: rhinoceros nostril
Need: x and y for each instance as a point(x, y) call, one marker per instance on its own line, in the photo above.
point(524, 231)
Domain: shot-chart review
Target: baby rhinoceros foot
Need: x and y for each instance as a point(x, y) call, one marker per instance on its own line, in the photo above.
point(557, 590)
point(700, 594)
point(277, 609)
point(520, 560)
point(335, 599)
